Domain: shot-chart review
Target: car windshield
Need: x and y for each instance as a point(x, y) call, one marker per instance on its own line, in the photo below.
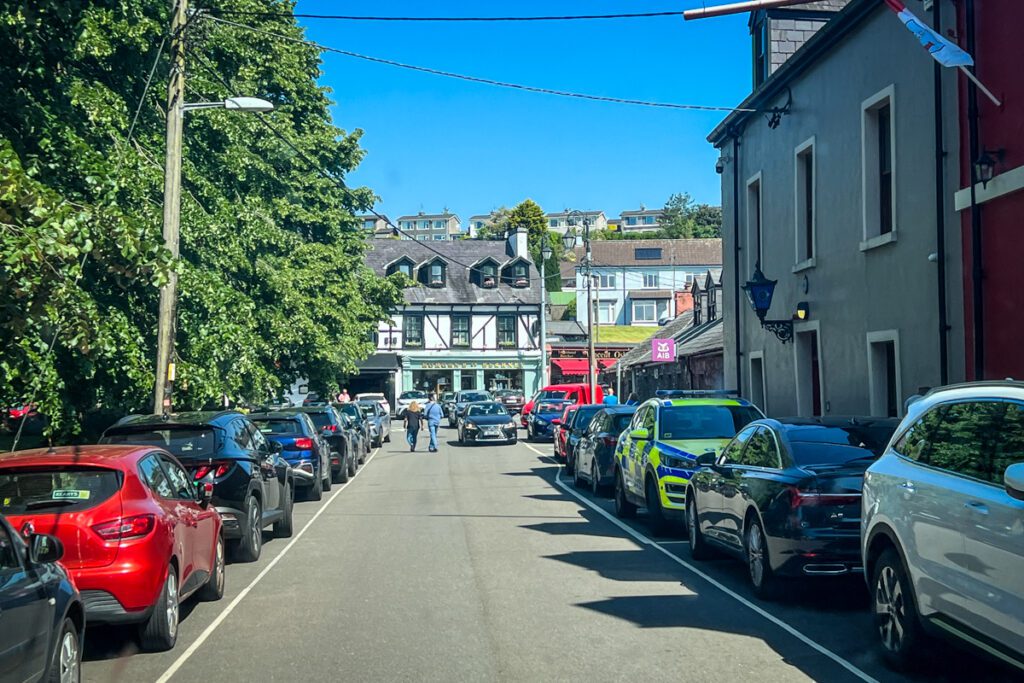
point(704, 421)
point(63, 489)
point(509, 392)
point(349, 409)
point(486, 409)
point(807, 453)
point(283, 425)
point(472, 396)
point(549, 394)
point(187, 442)
point(550, 406)
point(448, 396)
point(409, 395)
point(369, 409)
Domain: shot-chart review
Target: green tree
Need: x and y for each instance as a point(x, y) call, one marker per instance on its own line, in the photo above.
point(678, 217)
point(707, 220)
point(529, 215)
point(272, 280)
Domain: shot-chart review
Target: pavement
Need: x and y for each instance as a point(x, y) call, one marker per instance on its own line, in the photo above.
point(484, 564)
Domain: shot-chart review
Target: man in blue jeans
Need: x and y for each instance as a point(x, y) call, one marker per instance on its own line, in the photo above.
point(433, 415)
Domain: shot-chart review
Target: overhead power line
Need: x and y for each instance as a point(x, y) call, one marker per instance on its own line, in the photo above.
point(345, 17)
point(477, 79)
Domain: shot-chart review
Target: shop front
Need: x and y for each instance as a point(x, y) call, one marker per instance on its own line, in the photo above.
point(569, 360)
point(438, 373)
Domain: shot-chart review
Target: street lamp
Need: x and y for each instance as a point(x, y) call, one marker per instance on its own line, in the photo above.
point(985, 165)
point(760, 291)
point(172, 208)
point(587, 265)
point(545, 253)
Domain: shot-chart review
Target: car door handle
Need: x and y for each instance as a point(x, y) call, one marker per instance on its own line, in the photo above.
point(975, 506)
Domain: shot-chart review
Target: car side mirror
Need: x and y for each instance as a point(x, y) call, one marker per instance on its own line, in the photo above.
point(640, 434)
point(43, 548)
point(276, 447)
point(556, 421)
point(707, 459)
point(1013, 478)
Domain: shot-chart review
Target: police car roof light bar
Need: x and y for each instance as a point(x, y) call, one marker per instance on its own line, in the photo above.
point(685, 393)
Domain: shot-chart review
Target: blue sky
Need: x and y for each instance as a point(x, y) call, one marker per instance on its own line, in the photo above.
point(434, 142)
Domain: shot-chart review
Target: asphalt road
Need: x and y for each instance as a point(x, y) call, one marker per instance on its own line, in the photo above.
point(483, 564)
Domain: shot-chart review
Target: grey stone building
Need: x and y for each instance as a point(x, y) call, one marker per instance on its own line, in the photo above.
point(431, 226)
point(840, 196)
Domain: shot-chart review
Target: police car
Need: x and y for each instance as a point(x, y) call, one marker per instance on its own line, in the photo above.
point(657, 454)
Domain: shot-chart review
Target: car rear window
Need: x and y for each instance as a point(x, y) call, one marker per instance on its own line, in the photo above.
point(705, 421)
point(874, 437)
point(807, 453)
point(584, 416)
point(186, 442)
point(622, 421)
point(63, 489)
point(278, 426)
point(320, 420)
point(369, 409)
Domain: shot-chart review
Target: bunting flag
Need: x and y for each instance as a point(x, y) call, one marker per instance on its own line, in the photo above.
point(945, 51)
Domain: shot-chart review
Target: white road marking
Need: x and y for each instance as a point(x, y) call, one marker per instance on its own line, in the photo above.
point(728, 591)
point(180, 661)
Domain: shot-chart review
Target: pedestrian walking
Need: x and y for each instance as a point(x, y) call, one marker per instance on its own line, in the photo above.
point(633, 399)
point(413, 418)
point(610, 399)
point(433, 414)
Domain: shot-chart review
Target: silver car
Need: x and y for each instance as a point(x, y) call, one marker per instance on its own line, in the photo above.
point(943, 524)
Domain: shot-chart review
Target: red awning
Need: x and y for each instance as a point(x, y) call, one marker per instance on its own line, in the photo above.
point(579, 366)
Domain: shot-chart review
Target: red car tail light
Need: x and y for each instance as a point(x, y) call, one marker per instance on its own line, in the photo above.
point(611, 441)
point(798, 498)
point(304, 444)
point(125, 528)
point(331, 428)
point(218, 469)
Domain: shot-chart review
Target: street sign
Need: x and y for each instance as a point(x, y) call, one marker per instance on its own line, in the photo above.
point(663, 350)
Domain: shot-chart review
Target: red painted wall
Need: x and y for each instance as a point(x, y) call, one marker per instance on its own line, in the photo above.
point(999, 56)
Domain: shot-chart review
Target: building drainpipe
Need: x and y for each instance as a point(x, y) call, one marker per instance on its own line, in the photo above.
point(977, 290)
point(736, 255)
point(940, 210)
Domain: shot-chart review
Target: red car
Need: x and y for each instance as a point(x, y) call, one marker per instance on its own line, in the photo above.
point(139, 537)
point(562, 432)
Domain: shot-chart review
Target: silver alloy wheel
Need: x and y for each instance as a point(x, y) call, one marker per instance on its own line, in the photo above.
point(255, 530)
point(219, 568)
point(595, 480)
point(890, 609)
point(69, 658)
point(172, 605)
point(755, 554)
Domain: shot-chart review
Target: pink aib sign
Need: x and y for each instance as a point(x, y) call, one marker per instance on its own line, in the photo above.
point(663, 350)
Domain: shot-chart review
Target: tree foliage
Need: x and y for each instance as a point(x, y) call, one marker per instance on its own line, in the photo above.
point(681, 219)
point(528, 214)
point(272, 280)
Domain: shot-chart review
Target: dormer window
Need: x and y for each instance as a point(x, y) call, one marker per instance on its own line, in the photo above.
point(433, 274)
point(403, 266)
point(520, 275)
point(489, 276)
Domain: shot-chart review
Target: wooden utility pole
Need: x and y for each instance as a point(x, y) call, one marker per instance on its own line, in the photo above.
point(172, 209)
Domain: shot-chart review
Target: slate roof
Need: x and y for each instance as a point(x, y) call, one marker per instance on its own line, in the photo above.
point(566, 328)
point(425, 216)
point(459, 255)
point(682, 252)
point(690, 340)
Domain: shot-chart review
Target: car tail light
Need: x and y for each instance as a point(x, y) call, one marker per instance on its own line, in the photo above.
point(331, 428)
point(610, 441)
point(304, 443)
point(798, 498)
point(125, 528)
point(219, 470)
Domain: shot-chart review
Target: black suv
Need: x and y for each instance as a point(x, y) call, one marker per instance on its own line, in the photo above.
point(344, 453)
point(360, 424)
point(253, 486)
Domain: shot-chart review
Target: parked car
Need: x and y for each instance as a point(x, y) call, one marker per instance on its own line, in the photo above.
point(544, 418)
point(406, 399)
point(380, 422)
point(487, 421)
point(463, 399)
point(139, 536)
point(942, 538)
point(365, 428)
point(574, 393)
point(379, 398)
point(560, 432)
point(572, 432)
point(311, 399)
point(447, 399)
point(301, 446)
point(357, 436)
point(512, 399)
point(594, 455)
point(42, 620)
point(332, 429)
point(253, 486)
point(657, 455)
point(784, 496)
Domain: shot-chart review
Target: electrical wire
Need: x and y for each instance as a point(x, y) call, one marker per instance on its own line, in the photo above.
point(477, 79)
point(342, 17)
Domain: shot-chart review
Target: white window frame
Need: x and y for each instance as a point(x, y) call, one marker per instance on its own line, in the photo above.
point(875, 393)
point(761, 377)
point(754, 250)
point(603, 278)
point(610, 305)
point(805, 403)
point(645, 302)
point(869, 165)
point(801, 262)
point(654, 275)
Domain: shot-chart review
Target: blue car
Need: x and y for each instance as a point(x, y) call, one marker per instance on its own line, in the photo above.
point(43, 621)
point(307, 453)
point(539, 424)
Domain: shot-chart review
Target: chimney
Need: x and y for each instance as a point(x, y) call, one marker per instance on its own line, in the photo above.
point(684, 302)
point(518, 243)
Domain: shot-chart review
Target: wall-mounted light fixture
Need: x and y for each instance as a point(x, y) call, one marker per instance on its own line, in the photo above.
point(760, 291)
point(985, 165)
point(803, 310)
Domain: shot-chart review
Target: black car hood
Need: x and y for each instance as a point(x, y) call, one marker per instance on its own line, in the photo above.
point(485, 420)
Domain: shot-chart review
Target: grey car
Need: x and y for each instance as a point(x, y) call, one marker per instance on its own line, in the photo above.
point(463, 399)
point(380, 422)
point(942, 537)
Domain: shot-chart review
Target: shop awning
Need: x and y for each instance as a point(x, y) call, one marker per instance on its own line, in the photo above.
point(379, 362)
point(579, 366)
